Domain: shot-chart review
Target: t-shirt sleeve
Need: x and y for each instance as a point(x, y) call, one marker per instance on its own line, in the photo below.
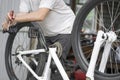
point(24, 6)
point(47, 4)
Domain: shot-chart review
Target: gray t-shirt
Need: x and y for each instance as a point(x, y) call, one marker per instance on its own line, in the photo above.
point(59, 20)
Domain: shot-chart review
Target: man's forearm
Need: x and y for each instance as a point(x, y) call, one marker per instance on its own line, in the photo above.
point(38, 15)
point(26, 17)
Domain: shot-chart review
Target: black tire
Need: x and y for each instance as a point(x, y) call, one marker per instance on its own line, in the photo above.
point(83, 41)
point(39, 68)
point(18, 40)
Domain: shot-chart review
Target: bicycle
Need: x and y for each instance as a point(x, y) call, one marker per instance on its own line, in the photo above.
point(25, 44)
point(95, 40)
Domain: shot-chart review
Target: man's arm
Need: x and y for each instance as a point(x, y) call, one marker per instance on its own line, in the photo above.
point(38, 15)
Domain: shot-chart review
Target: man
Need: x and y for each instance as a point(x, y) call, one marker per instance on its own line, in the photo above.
point(55, 17)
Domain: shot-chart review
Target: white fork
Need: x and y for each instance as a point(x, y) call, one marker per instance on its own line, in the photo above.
point(109, 37)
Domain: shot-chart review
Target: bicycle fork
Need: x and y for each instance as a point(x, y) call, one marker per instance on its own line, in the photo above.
point(108, 38)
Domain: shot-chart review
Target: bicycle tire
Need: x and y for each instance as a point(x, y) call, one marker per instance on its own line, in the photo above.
point(21, 44)
point(40, 67)
point(83, 40)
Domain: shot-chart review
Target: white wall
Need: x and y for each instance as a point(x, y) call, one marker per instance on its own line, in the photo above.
point(5, 6)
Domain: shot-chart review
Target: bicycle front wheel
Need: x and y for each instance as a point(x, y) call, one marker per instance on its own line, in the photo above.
point(19, 40)
point(97, 15)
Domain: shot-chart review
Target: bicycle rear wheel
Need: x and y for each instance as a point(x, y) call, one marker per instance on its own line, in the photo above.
point(18, 40)
point(97, 15)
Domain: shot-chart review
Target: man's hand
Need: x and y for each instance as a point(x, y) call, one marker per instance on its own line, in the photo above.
point(11, 16)
point(9, 21)
point(5, 26)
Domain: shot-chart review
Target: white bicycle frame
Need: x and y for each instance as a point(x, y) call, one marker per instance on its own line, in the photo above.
point(47, 70)
point(102, 37)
